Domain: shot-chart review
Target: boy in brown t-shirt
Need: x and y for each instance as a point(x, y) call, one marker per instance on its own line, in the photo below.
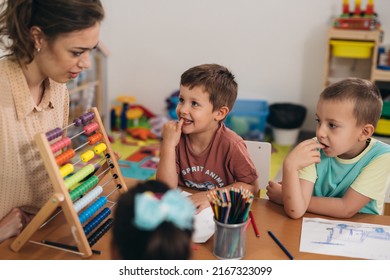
point(199, 151)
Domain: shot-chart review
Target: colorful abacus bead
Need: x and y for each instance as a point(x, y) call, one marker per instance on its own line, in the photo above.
point(65, 156)
point(66, 169)
point(100, 231)
point(84, 187)
point(79, 175)
point(87, 213)
point(97, 220)
point(87, 156)
point(98, 149)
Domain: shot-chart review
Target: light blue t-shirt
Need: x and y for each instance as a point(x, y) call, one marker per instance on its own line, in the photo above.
point(335, 176)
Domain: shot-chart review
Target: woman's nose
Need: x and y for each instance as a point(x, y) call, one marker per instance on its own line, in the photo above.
point(85, 61)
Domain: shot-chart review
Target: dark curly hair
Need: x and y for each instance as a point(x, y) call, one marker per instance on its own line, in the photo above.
point(53, 17)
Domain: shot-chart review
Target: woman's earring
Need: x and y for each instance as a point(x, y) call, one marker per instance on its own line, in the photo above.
point(38, 50)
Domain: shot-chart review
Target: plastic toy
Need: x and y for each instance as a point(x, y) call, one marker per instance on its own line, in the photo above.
point(357, 8)
point(358, 19)
point(370, 8)
point(345, 8)
point(129, 115)
point(142, 133)
point(148, 114)
point(133, 115)
point(172, 101)
point(126, 99)
point(118, 119)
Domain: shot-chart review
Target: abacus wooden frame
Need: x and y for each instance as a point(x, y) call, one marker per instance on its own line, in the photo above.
point(61, 197)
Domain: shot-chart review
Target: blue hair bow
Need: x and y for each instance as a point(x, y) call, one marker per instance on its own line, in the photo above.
point(173, 207)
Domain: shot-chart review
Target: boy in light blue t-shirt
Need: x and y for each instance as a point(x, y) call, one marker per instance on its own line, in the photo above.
point(343, 171)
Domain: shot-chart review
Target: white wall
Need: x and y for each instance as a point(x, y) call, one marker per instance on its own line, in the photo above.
point(275, 48)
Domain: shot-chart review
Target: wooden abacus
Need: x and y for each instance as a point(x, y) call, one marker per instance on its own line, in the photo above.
point(73, 190)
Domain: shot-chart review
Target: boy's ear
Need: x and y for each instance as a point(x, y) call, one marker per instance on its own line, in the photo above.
point(221, 113)
point(38, 36)
point(367, 132)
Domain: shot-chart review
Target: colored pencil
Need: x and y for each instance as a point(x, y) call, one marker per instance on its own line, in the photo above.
point(280, 245)
point(230, 206)
point(254, 224)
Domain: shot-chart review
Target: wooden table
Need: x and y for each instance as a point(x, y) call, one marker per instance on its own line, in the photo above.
point(268, 216)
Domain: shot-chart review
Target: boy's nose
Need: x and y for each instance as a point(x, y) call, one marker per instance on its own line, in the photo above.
point(182, 109)
point(321, 131)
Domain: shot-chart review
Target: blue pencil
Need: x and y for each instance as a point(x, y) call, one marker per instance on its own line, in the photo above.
point(280, 245)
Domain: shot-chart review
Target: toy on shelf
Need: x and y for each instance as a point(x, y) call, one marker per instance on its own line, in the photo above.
point(358, 9)
point(345, 8)
point(358, 19)
point(384, 57)
point(75, 182)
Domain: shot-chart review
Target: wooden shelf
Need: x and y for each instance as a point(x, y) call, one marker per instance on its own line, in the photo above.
point(361, 35)
point(374, 36)
point(83, 87)
point(93, 78)
point(380, 75)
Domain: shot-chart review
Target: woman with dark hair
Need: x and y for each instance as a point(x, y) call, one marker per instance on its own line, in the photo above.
point(47, 43)
point(152, 222)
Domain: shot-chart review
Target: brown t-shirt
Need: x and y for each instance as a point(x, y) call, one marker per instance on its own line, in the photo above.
point(223, 162)
point(23, 178)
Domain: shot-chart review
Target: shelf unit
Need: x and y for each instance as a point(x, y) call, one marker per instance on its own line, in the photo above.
point(89, 88)
point(373, 74)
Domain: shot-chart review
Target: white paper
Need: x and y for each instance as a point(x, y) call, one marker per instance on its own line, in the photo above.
point(204, 226)
point(348, 239)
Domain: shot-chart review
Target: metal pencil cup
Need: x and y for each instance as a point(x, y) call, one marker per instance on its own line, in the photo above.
point(229, 240)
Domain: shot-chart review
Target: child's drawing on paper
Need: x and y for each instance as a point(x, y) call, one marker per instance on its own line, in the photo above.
point(357, 240)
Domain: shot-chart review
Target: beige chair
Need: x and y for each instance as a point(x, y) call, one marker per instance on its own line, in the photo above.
point(260, 153)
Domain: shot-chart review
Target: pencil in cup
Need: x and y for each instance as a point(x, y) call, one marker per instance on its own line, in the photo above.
point(231, 210)
point(229, 240)
point(231, 207)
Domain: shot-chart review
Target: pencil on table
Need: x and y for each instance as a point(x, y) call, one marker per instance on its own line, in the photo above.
point(254, 224)
point(280, 245)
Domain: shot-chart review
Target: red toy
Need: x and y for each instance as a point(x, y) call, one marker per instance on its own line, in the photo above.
point(358, 19)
